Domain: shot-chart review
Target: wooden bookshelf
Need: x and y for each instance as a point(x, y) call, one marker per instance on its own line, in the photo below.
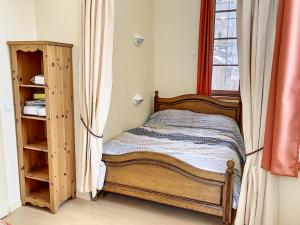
point(45, 144)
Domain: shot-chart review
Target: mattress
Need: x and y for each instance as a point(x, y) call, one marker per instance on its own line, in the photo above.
point(204, 141)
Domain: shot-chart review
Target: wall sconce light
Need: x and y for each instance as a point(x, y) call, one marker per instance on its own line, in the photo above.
point(138, 40)
point(137, 99)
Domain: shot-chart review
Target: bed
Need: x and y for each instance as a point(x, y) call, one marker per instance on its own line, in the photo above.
point(189, 154)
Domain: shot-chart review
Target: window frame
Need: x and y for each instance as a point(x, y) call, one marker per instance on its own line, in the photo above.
point(223, 92)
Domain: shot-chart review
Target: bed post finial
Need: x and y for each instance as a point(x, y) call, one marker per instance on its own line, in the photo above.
point(230, 166)
point(156, 107)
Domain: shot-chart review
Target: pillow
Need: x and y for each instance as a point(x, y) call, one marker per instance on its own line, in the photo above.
point(186, 118)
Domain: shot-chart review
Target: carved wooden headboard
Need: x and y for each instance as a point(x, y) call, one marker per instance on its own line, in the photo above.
point(200, 104)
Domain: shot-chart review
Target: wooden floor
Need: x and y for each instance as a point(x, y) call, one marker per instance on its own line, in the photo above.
point(111, 210)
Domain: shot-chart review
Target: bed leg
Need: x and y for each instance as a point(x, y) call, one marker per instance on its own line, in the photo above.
point(228, 192)
point(102, 194)
point(99, 195)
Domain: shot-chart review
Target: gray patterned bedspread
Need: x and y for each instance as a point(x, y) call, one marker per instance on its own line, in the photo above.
point(204, 141)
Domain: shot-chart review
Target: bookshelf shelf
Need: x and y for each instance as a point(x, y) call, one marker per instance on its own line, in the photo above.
point(41, 174)
point(37, 146)
point(31, 86)
point(39, 197)
point(43, 118)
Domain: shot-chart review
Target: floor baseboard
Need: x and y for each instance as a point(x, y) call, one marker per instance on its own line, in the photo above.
point(15, 206)
point(83, 195)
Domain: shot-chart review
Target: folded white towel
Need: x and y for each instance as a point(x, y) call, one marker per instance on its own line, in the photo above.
point(34, 110)
point(38, 79)
point(42, 111)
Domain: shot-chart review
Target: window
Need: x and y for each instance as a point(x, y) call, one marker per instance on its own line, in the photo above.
point(225, 77)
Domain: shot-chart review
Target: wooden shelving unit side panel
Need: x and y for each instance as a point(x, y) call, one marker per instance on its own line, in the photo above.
point(20, 75)
point(60, 123)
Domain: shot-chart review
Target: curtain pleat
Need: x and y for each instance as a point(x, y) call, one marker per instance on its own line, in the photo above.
point(205, 47)
point(95, 85)
point(282, 136)
point(256, 22)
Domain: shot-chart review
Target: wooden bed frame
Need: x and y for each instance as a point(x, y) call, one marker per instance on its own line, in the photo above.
point(164, 179)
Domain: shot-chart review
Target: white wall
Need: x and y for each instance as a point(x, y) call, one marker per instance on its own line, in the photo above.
point(175, 46)
point(4, 205)
point(17, 23)
point(132, 66)
point(289, 201)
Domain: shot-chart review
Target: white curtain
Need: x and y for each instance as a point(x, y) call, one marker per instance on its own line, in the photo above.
point(97, 28)
point(256, 21)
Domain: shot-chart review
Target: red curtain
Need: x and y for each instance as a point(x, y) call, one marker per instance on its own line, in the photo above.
point(282, 135)
point(205, 51)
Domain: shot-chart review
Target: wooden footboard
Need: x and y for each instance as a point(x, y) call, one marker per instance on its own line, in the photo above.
point(164, 179)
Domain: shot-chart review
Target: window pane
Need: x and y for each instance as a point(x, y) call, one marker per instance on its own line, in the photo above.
point(222, 5)
point(232, 28)
point(225, 78)
point(225, 75)
point(225, 4)
point(225, 25)
point(225, 52)
point(232, 4)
